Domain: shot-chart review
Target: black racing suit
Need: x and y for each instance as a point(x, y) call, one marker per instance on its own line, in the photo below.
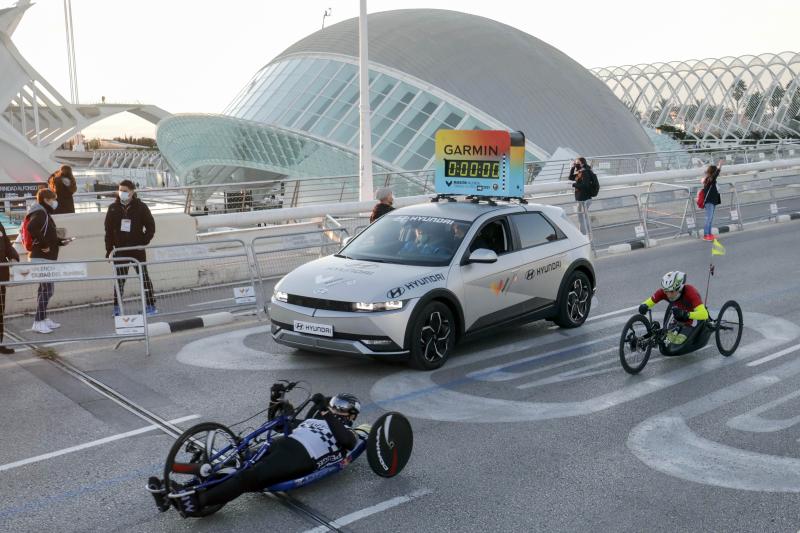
point(314, 443)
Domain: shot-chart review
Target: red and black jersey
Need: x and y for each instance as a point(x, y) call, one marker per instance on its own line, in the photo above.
point(688, 301)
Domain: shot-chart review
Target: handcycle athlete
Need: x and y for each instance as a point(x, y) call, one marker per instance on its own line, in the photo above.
point(221, 466)
point(687, 306)
point(687, 325)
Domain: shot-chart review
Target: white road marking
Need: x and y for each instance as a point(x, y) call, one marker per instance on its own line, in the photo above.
point(377, 508)
point(499, 372)
point(768, 358)
point(666, 443)
point(754, 422)
point(91, 444)
point(612, 313)
point(227, 351)
point(418, 393)
point(12, 364)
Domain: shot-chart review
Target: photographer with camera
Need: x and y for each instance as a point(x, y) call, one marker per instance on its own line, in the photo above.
point(584, 179)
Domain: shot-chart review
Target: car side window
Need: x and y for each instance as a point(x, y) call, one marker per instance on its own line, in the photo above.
point(534, 229)
point(493, 236)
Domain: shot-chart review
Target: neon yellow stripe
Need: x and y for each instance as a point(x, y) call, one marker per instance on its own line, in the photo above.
point(700, 313)
point(649, 303)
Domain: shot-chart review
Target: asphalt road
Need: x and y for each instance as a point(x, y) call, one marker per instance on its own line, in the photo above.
point(532, 429)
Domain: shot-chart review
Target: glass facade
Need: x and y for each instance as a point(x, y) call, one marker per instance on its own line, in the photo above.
point(319, 97)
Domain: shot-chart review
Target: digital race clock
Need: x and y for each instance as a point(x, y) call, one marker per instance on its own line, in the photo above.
point(480, 163)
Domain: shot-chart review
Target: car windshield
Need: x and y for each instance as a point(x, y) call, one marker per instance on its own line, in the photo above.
point(408, 240)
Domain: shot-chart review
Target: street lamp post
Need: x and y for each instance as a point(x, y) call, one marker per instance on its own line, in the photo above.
point(365, 135)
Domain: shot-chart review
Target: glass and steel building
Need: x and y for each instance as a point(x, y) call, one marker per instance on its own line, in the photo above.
point(729, 98)
point(298, 117)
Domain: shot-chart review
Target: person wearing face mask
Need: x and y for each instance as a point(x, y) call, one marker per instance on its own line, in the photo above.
point(130, 223)
point(63, 183)
point(46, 242)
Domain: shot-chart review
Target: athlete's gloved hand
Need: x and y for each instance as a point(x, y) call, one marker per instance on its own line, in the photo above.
point(681, 315)
point(643, 309)
point(319, 399)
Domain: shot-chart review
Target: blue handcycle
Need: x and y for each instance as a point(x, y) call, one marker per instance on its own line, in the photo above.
point(210, 453)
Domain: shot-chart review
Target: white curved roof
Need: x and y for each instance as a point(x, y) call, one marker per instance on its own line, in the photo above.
point(512, 76)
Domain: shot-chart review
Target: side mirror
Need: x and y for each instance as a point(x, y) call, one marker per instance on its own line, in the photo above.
point(345, 241)
point(482, 255)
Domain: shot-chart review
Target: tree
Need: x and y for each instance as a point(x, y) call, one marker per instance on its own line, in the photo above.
point(753, 103)
point(777, 96)
point(739, 90)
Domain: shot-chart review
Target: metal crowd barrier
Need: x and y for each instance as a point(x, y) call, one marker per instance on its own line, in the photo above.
point(195, 278)
point(80, 302)
point(622, 221)
point(668, 214)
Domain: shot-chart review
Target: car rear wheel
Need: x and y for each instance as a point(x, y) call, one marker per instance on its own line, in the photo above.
point(432, 336)
point(574, 304)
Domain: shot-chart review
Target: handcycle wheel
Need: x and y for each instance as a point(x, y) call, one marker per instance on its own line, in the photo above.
point(195, 452)
point(633, 355)
point(728, 332)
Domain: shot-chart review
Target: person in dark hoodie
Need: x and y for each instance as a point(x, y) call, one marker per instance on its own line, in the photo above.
point(7, 255)
point(130, 223)
point(46, 242)
point(63, 183)
point(579, 174)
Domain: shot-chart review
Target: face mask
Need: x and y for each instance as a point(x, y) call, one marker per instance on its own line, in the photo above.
point(65, 181)
point(54, 204)
point(124, 196)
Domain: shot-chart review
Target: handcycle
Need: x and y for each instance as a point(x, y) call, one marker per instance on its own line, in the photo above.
point(641, 334)
point(210, 453)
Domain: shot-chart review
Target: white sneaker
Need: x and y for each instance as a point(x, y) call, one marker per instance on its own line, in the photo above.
point(41, 327)
point(51, 324)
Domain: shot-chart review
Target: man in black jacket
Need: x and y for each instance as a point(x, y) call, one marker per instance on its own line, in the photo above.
point(130, 223)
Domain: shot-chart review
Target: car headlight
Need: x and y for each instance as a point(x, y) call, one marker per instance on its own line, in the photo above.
point(280, 296)
point(368, 307)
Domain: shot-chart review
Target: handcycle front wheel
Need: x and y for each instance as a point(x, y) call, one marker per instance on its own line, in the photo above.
point(199, 454)
point(729, 326)
point(633, 353)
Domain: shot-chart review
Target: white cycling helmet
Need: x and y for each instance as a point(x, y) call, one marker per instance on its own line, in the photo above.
point(673, 281)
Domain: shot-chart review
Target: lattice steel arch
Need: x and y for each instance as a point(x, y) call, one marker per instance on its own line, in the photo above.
point(726, 98)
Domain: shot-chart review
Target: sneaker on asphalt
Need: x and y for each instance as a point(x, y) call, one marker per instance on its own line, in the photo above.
point(7, 351)
point(151, 310)
point(41, 327)
point(51, 324)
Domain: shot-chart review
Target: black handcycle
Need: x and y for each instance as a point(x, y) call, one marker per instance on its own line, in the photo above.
point(210, 453)
point(642, 333)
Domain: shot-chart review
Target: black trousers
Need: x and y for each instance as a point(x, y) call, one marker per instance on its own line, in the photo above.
point(287, 459)
point(122, 271)
point(2, 309)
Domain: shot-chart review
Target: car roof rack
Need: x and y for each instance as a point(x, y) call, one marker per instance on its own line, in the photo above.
point(475, 199)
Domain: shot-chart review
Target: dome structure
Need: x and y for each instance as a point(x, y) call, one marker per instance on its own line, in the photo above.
point(429, 69)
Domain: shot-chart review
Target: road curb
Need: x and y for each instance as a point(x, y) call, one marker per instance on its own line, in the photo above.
point(157, 329)
point(639, 244)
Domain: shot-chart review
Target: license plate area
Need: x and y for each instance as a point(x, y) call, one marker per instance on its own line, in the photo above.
point(312, 328)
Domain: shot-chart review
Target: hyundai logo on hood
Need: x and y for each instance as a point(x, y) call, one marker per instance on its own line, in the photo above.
point(395, 293)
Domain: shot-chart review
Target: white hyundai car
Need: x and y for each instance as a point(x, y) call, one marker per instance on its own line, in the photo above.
point(424, 277)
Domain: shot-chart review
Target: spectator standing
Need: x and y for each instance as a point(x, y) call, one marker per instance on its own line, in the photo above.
point(63, 183)
point(44, 235)
point(7, 255)
point(712, 197)
point(579, 175)
point(385, 200)
point(130, 223)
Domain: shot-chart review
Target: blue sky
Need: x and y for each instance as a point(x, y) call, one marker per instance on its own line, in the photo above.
point(195, 55)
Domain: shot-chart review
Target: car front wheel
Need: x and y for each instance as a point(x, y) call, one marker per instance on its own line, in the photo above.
point(575, 302)
point(432, 336)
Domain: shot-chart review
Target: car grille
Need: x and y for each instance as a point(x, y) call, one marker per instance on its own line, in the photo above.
point(319, 303)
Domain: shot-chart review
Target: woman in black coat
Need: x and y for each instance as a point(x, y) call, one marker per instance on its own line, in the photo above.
point(63, 183)
point(42, 229)
point(579, 174)
point(7, 255)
